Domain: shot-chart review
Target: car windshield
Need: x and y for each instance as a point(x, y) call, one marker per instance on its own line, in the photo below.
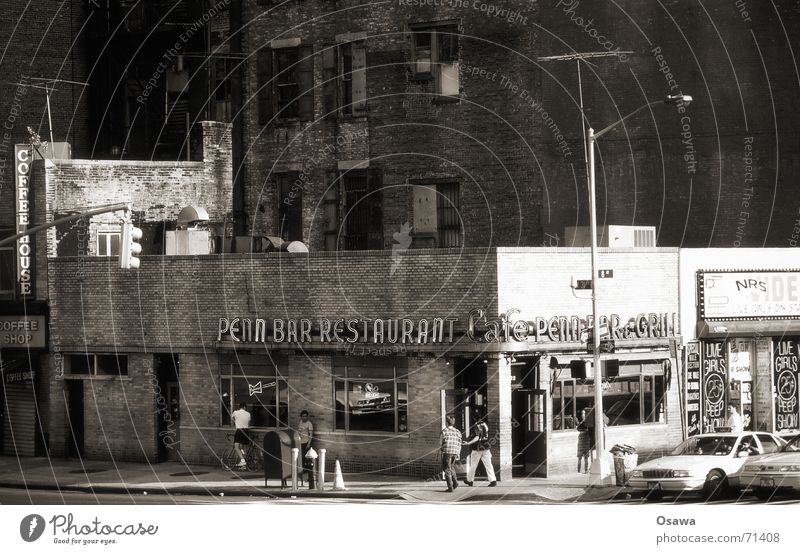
point(705, 446)
point(793, 445)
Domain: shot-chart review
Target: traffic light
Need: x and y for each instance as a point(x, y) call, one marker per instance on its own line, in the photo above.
point(130, 247)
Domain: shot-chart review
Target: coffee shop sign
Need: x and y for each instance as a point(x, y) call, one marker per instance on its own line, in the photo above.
point(478, 327)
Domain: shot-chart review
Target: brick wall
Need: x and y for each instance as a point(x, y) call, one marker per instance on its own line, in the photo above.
point(156, 190)
point(483, 142)
point(40, 40)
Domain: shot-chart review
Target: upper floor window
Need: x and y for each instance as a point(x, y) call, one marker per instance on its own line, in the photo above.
point(108, 243)
point(360, 210)
point(8, 264)
point(435, 53)
point(437, 215)
point(290, 205)
point(285, 84)
point(345, 79)
point(96, 364)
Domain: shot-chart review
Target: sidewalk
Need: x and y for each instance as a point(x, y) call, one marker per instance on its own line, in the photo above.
point(178, 478)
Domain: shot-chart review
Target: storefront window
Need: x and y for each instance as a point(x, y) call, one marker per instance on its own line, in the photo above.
point(370, 395)
point(636, 396)
point(258, 383)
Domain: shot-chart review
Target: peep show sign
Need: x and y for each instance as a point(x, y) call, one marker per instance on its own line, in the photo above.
point(477, 327)
point(785, 376)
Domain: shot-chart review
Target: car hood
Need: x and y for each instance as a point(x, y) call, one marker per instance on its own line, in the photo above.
point(683, 462)
point(778, 458)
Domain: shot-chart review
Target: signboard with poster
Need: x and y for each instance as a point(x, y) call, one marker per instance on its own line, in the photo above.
point(747, 295)
point(693, 384)
point(785, 382)
point(714, 374)
point(740, 367)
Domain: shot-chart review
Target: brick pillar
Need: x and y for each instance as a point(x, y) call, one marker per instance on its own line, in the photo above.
point(498, 384)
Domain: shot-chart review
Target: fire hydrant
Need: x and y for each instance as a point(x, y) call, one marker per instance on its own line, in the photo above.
point(311, 456)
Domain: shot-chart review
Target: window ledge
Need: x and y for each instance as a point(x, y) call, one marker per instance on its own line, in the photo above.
point(382, 434)
point(439, 99)
point(97, 377)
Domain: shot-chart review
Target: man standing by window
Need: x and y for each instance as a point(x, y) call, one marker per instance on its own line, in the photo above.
point(306, 431)
point(451, 450)
point(241, 420)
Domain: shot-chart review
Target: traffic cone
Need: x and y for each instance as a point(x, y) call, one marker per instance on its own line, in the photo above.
point(338, 480)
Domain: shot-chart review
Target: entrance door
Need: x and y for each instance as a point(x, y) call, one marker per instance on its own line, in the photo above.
point(171, 434)
point(529, 433)
point(75, 418)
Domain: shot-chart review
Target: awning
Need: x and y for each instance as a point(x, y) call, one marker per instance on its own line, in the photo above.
point(748, 328)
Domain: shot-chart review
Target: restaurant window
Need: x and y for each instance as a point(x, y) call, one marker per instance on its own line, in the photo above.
point(93, 365)
point(361, 213)
point(290, 205)
point(285, 84)
point(435, 56)
point(370, 395)
point(108, 243)
point(637, 396)
point(261, 388)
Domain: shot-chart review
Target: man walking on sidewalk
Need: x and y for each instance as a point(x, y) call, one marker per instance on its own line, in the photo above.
point(480, 445)
point(451, 450)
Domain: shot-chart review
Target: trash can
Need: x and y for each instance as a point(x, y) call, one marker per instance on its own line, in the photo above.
point(625, 461)
point(278, 455)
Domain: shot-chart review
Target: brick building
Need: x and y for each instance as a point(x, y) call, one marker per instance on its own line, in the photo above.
point(459, 332)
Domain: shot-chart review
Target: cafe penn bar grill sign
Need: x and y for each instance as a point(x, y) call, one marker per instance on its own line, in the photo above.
point(477, 327)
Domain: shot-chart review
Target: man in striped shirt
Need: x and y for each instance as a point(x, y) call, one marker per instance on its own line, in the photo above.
point(451, 450)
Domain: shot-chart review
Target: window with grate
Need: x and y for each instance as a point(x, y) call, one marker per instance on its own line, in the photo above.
point(448, 216)
point(362, 210)
point(290, 205)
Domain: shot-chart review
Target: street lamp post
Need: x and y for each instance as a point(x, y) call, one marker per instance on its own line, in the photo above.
point(600, 467)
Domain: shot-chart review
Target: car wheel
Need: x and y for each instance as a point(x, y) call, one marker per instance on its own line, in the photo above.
point(715, 486)
point(764, 493)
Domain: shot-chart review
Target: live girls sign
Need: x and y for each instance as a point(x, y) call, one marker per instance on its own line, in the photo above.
point(23, 205)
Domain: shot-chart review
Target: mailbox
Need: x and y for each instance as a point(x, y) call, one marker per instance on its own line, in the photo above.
point(278, 454)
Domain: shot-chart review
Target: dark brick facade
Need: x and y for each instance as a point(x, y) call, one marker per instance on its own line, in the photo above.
point(40, 40)
point(194, 292)
point(482, 142)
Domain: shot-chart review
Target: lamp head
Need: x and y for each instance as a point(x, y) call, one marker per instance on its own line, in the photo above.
point(678, 99)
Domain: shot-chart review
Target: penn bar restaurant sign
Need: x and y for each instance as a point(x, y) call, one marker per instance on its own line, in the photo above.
point(477, 327)
point(749, 295)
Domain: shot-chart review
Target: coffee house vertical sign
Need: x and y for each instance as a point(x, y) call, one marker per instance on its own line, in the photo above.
point(715, 383)
point(23, 205)
point(693, 385)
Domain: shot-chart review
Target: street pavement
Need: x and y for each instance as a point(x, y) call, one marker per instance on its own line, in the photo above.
point(175, 478)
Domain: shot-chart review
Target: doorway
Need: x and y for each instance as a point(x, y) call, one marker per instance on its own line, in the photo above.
point(529, 433)
point(75, 447)
point(168, 411)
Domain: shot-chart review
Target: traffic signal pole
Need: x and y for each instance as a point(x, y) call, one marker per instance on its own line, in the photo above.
point(88, 213)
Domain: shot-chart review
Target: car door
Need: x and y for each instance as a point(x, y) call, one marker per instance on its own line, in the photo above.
point(769, 444)
point(746, 443)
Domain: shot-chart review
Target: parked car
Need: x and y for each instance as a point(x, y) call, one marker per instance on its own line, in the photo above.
point(708, 464)
point(772, 472)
